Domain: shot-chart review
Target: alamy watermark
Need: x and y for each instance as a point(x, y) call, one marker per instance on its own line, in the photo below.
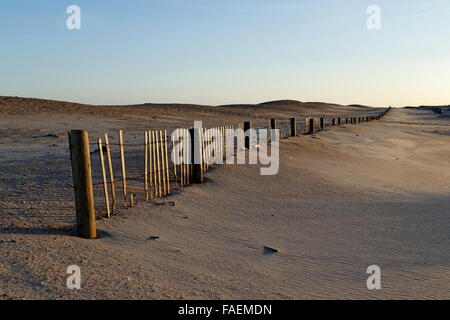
point(73, 22)
point(228, 147)
point(374, 280)
point(73, 281)
point(374, 19)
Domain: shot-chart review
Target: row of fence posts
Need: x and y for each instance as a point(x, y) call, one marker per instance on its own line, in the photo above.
point(156, 163)
point(156, 168)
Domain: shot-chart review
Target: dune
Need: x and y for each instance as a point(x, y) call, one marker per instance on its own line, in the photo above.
point(345, 198)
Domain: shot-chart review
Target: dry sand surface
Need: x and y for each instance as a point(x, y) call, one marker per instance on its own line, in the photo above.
point(344, 199)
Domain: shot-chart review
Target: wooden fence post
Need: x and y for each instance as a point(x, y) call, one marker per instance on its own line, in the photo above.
point(311, 125)
point(247, 126)
point(82, 182)
point(293, 127)
point(273, 124)
point(196, 155)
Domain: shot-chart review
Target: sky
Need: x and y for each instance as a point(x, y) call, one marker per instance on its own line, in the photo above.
point(227, 51)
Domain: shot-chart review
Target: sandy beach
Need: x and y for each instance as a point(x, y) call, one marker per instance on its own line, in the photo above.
point(345, 198)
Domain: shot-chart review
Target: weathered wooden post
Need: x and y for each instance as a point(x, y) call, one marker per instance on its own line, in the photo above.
point(82, 182)
point(311, 125)
point(273, 124)
point(196, 155)
point(247, 134)
point(131, 200)
point(321, 123)
point(293, 127)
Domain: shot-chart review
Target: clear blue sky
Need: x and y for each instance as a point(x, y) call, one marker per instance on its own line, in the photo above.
point(227, 51)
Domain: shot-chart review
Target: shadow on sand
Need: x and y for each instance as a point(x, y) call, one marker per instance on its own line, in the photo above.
point(67, 231)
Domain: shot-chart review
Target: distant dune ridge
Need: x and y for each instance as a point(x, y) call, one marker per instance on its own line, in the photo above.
point(18, 105)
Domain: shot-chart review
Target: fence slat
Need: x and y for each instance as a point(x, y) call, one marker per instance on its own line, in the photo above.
point(146, 167)
point(158, 160)
point(150, 167)
point(122, 159)
point(155, 169)
point(163, 163)
point(111, 175)
point(167, 162)
point(105, 183)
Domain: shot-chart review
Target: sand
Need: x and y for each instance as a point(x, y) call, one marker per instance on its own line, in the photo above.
point(344, 199)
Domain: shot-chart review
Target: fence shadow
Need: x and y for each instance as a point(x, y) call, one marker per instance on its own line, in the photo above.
point(67, 231)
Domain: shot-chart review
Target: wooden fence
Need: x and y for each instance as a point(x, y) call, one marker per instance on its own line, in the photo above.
point(146, 172)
